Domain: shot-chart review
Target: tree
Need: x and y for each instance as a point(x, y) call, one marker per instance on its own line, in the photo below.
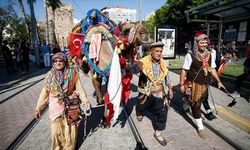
point(20, 4)
point(54, 4)
point(34, 31)
point(172, 13)
point(12, 27)
point(150, 25)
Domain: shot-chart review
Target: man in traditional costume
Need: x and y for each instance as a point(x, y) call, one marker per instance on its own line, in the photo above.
point(63, 92)
point(154, 89)
point(199, 65)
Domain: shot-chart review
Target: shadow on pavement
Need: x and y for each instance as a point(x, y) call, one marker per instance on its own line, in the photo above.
point(92, 125)
point(176, 105)
point(30, 83)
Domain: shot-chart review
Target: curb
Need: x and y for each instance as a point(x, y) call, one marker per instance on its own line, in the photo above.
point(234, 118)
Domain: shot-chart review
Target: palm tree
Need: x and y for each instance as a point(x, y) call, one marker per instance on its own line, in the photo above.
point(20, 3)
point(46, 20)
point(54, 4)
point(34, 30)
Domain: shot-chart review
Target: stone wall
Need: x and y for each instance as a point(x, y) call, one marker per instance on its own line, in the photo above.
point(63, 24)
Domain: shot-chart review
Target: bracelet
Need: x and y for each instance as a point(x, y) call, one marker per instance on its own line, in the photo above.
point(181, 84)
point(219, 82)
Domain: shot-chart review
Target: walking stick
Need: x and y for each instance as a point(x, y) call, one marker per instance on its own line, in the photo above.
point(212, 100)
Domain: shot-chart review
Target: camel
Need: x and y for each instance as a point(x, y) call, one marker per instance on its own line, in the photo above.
point(132, 35)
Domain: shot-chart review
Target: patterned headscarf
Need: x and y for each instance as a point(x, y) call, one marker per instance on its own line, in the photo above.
point(201, 56)
point(58, 75)
point(198, 36)
point(60, 55)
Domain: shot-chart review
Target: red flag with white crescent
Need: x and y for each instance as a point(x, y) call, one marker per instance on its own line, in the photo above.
point(75, 44)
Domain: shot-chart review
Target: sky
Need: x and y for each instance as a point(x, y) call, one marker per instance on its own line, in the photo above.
point(81, 7)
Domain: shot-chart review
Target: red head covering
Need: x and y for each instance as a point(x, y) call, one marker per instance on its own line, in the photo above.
point(200, 35)
point(60, 55)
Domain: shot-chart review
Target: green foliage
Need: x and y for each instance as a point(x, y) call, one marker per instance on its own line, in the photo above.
point(54, 4)
point(149, 24)
point(12, 26)
point(173, 13)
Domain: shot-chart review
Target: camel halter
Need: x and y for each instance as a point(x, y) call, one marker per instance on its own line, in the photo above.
point(131, 35)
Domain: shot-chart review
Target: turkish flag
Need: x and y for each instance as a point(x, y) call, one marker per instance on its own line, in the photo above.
point(75, 44)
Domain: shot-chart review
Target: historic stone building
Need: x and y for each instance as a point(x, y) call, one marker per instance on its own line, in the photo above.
point(63, 24)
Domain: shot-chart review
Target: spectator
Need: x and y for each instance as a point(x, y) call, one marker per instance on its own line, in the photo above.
point(46, 54)
point(245, 75)
point(233, 50)
point(24, 51)
point(223, 49)
point(19, 58)
point(7, 57)
point(186, 48)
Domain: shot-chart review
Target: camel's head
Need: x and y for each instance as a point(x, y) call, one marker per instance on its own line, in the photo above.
point(136, 34)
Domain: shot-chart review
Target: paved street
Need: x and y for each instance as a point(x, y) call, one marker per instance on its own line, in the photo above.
point(180, 132)
point(33, 33)
point(17, 112)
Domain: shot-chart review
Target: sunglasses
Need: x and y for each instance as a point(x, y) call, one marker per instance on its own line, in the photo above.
point(58, 60)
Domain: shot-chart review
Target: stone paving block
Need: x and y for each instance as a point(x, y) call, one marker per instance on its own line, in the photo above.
point(178, 130)
point(18, 112)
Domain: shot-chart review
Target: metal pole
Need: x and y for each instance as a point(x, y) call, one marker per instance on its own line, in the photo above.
point(220, 34)
point(140, 12)
point(208, 28)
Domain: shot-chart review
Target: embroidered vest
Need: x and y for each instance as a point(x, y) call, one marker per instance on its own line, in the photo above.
point(194, 70)
point(147, 85)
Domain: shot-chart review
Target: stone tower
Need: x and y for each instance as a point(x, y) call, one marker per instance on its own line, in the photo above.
point(63, 24)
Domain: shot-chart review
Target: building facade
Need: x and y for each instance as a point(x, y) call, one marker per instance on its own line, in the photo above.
point(63, 24)
point(119, 14)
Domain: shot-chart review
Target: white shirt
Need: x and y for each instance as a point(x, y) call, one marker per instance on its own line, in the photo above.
point(188, 60)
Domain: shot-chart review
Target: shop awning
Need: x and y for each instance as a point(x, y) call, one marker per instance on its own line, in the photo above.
point(220, 11)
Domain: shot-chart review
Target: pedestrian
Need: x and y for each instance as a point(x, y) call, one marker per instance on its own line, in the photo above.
point(63, 92)
point(209, 114)
point(25, 51)
point(154, 89)
point(7, 57)
point(233, 50)
point(199, 66)
point(244, 76)
point(186, 48)
point(18, 56)
point(223, 48)
point(46, 55)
